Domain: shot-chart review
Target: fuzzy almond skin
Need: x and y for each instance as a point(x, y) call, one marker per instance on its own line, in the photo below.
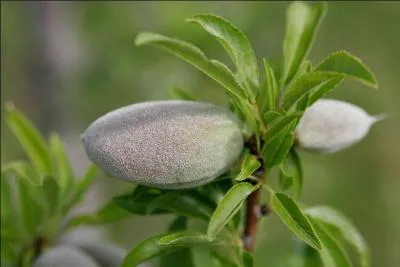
point(166, 144)
point(64, 256)
point(330, 125)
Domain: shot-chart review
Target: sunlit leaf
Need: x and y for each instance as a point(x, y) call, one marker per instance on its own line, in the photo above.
point(186, 238)
point(269, 91)
point(303, 21)
point(249, 165)
point(236, 44)
point(23, 170)
point(344, 63)
point(227, 208)
point(291, 214)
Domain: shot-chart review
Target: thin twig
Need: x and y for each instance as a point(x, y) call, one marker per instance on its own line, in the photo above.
point(253, 213)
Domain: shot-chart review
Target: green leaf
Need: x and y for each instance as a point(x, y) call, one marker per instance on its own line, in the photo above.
point(247, 259)
point(186, 238)
point(346, 229)
point(51, 194)
point(236, 44)
point(269, 91)
point(9, 208)
point(181, 203)
point(320, 91)
point(24, 171)
point(291, 173)
point(110, 212)
point(332, 254)
point(291, 214)
point(202, 257)
point(270, 116)
point(279, 126)
point(228, 207)
point(81, 187)
point(145, 250)
point(309, 82)
point(303, 21)
point(275, 152)
point(30, 139)
point(344, 63)
point(179, 93)
point(249, 165)
point(137, 205)
point(63, 172)
point(193, 55)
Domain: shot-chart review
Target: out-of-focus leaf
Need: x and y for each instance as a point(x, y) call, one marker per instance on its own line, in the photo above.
point(303, 21)
point(109, 213)
point(24, 171)
point(270, 116)
point(228, 207)
point(346, 229)
point(269, 91)
point(247, 259)
point(291, 214)
point(249, 165)
point(137, 205)
point(62, 170)
point(332, 254)
point(236, 44)
point(193, 55)
point(30, 139)
point(179, 93)
point(145, 250)
point(51, 194)
point(9, 209)
point(202, 257)
point(346, 64)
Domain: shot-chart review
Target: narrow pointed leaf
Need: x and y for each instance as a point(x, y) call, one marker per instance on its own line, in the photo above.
point(24, 171)
point(193, 55)
point(269, 91)
point(346, 228)
point(30, 139)
point(278, 126)
point(270, 116)
point(291, 173)
point(249, 165)
point(227, 208)
point(346, 64)
point(145, 250)
point(63, 172)
point(236, 44)
point(186, 238)
point(275, 152)
point(303, 21)
point(291, 214)
point(332, 254)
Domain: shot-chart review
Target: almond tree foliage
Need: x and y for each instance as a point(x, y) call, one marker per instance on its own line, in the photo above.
point(37, 194)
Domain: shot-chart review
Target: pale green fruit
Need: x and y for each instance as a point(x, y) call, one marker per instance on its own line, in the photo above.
point(330, 125)
point(64, 256)
point(165, 144)
point(106, 255)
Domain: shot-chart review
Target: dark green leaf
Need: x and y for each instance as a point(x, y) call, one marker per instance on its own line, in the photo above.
point(279, 126)
point(136, 205)
point(346, 229)
point(51, 195)
point(291, 172)
point(30, 139)
point(192, 54)
point(247, 259)
point(228, 207)
point(249, 165)
point(145, 250)
point(332, 254)
point(63, 172)
point(312, 81)
point(179, 93)
point(9, 208)
point(344, 63)
point(303, 21)
point(275, 152)
point(291, 214)
point(236, 44)
point(269, 91)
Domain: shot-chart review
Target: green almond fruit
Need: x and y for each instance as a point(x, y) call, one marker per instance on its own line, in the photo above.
point(64, 256)
point(166, 144)
point(331, 125)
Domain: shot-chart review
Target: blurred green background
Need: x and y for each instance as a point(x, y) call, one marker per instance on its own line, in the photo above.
point(66, 63)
